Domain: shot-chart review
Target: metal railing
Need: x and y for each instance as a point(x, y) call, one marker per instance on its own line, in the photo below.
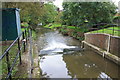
point(25, 36)
point(103, 30)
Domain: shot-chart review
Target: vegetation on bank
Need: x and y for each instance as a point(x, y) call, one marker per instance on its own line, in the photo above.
point(25, 26)
point(52, 26)
point(72, 31)
point(12, 55)
point(111, 30)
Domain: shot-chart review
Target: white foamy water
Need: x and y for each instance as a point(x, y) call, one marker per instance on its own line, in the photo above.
point(55, 43)
point(55, 47)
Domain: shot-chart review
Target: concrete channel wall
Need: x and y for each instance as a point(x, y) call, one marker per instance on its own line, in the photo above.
point(106, 43)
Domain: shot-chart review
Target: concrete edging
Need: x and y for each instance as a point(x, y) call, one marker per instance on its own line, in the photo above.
point(103, 53)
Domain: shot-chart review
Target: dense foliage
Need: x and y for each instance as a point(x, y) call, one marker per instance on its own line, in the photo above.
point(83, 14)
point(58, 17)
point(50, 12)
point(34, 12)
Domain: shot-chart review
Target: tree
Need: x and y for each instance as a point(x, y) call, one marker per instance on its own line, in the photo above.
point(90, 13)
point(50, 12)
point(58, 17)
point(34, 12)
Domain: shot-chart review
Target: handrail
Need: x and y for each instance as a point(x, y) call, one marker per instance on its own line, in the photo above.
point(104, 28)
point(113, 30)
point(18, 55)
point(5, 52)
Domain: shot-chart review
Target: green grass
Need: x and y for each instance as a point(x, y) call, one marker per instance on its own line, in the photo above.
point(34, 36)
point(71, 27)
point(52, 25)
point(25, 24)
point(22, 29)
point(12, 55)
point(48, 25)
point(107, 31)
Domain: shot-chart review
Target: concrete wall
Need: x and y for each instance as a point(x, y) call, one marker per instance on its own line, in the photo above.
point(115, 46)
point(102, 41)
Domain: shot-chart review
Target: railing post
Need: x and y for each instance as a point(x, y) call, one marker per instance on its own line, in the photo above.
point(24, 41)
point(31, 32)
point(103, 29)
point(82, 45)
point(28, 31)
point(97, 30)
point(26, 35)
point(19, 51)
point(8, 64)
point(113, 30)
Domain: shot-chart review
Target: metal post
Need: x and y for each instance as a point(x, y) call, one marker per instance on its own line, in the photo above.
point(8, 63)
point(19, 51)
point(28, 31)
point(31, 51)
point(31, 32)
point(82, 45)
point(97, 30)
point(108, 46)
point(113, 30)
point(26, 36)
point(24, 41)
point(103, 30)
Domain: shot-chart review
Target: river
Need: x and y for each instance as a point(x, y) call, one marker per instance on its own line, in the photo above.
point(62, 57)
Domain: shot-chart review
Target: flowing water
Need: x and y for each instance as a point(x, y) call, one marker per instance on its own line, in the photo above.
point(62, 57)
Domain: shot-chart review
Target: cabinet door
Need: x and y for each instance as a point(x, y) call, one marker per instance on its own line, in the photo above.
point(9, 27)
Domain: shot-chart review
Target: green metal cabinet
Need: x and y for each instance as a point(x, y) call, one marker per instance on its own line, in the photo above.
point(11, 27)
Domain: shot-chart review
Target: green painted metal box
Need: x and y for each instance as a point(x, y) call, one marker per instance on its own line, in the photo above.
point(11, 27)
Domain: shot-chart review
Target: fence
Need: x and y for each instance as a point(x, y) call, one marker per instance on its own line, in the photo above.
point(21, 46)
point(113, 31)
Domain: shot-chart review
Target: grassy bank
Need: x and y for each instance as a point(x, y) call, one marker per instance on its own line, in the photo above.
point(12, 54)
point(110, 30)
point(52, 26)
point(34, 36)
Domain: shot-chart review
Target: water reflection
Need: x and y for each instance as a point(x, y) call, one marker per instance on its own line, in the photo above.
point(86, 66)
point(103, 75)
point(54, 67)
point(76, 66)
